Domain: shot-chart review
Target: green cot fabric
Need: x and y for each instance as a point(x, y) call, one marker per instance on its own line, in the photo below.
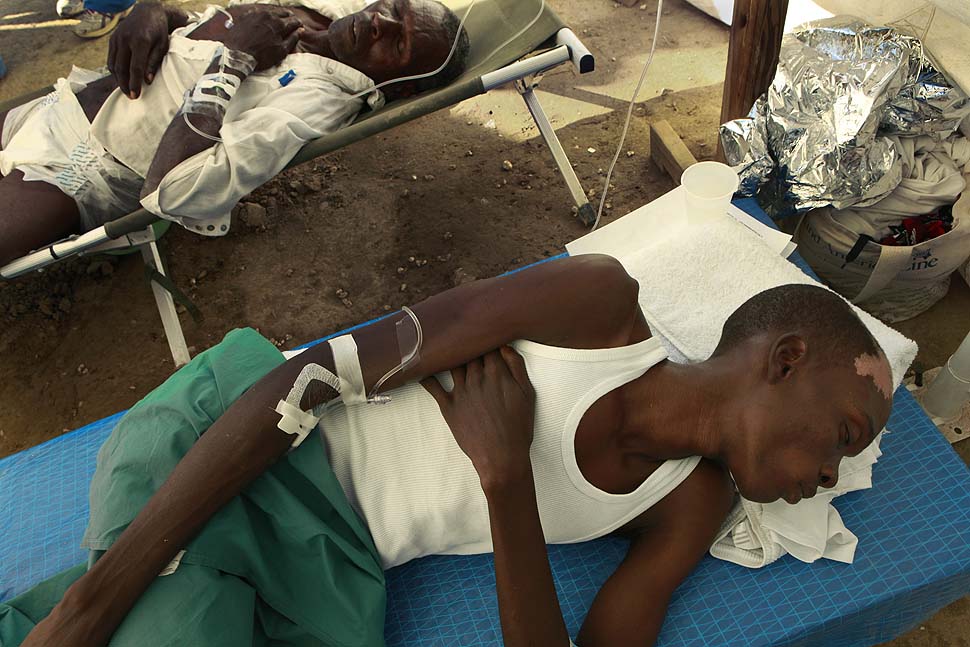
point(288, 562)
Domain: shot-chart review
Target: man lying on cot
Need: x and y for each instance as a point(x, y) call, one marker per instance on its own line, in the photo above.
point(237, 95)
point(560, 421)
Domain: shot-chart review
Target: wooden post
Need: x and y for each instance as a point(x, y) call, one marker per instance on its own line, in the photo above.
point(756, 31)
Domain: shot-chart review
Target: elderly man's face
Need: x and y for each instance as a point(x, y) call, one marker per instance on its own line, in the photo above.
point(392, 38)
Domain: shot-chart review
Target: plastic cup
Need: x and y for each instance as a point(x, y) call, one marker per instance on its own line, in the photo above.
point(708, 188)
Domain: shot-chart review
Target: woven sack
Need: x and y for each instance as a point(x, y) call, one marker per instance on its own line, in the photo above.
point(892, 283)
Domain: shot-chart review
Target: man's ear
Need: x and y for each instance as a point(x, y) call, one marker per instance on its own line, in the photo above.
point(787, 354)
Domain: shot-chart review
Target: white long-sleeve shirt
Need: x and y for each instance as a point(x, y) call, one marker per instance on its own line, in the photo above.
point(265, 126)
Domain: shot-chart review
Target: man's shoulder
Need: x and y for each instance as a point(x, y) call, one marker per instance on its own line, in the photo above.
point(610, 296)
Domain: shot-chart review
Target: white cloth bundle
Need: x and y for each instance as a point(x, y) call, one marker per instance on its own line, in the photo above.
point(932, 177)
point(723, 265)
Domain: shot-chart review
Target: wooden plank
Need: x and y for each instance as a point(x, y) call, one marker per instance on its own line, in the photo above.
point(668, 150)
point(756, 31)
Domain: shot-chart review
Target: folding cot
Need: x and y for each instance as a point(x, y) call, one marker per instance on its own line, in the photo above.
point(546, 43)
point(913, 555)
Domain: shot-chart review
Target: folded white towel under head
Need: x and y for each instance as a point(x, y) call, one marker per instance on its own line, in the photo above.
point(690, 283)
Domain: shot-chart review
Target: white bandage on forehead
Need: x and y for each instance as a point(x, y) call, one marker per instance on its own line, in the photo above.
point(348, 382)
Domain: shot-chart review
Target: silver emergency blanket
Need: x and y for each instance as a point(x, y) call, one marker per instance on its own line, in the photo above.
point(820, 134)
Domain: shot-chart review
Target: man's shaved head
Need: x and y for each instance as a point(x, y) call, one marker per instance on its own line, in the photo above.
point(822, 317)
point(816, 388)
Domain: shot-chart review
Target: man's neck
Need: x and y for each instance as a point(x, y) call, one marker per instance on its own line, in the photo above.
point(316, 43)
point(679, 410)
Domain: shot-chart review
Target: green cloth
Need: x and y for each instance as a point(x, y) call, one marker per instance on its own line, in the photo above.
point(288, 562)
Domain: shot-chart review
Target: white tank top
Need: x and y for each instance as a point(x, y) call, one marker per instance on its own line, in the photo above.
point(419, 494)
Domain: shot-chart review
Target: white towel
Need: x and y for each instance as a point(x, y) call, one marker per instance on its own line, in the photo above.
point(721, 266)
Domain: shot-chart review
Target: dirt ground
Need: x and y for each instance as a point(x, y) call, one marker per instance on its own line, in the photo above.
point(389, 221)
point(381, 224)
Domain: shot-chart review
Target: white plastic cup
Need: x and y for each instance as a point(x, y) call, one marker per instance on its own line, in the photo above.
point(708, 188)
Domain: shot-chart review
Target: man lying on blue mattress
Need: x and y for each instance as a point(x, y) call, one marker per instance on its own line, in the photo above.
point(235, 97)
point(537, 410)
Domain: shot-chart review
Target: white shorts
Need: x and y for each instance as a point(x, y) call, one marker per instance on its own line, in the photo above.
point(50, 140)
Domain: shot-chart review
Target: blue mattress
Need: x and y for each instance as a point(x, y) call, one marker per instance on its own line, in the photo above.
point(913, 556)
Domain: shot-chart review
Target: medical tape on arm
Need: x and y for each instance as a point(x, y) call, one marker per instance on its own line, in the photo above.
point(348, 382)
point(347, 363)
point(211, 94)
point(294, 420)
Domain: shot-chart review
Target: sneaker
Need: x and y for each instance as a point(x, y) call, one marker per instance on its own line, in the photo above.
point(69, 8)
point(94, 24)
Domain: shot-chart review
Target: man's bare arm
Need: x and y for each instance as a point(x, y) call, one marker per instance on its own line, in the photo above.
point(669, 540)
point(582, 302)
point(528, 605)
point(631, 606)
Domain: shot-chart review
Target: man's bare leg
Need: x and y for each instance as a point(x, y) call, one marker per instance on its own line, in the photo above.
point(33, 214)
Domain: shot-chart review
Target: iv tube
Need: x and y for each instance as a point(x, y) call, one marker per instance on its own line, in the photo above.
point(222, 72)
point(629, 114)
point(406, 360)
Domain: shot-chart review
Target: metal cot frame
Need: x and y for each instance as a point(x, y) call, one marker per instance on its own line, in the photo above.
point(135, 231)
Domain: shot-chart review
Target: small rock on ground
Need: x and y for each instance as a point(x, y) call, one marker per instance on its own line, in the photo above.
point(252, 214)
point(460, 277)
